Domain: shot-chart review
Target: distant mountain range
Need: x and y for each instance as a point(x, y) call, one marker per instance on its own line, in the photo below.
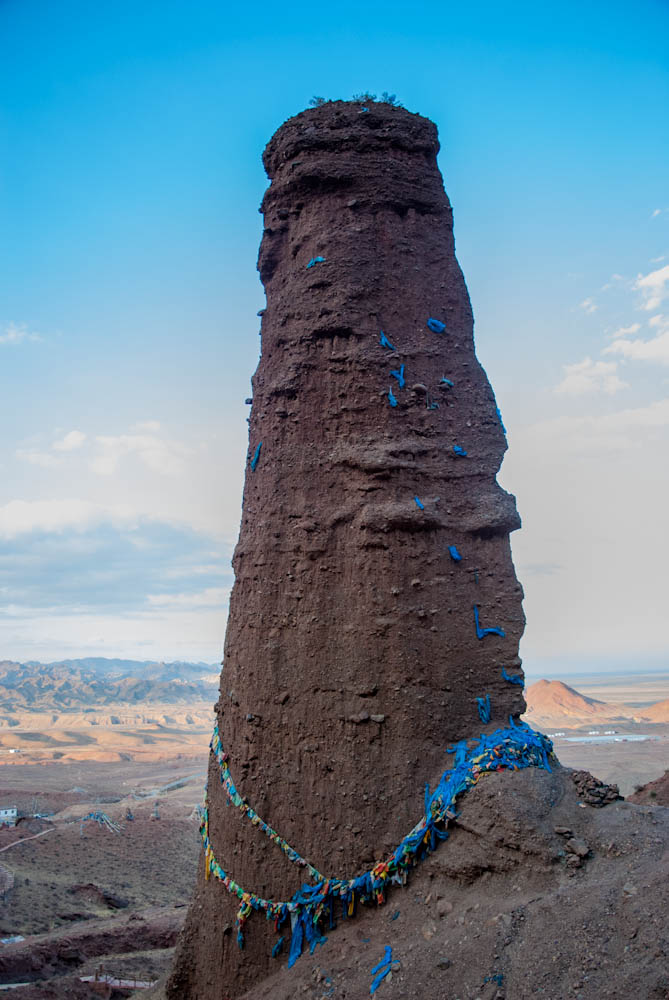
point(105, 667)
point(552, 703)
point(93, 683)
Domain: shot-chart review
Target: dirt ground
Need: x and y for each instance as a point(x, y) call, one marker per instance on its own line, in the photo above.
point(80, 895)
point(104, 898)
point(133, 945)
point(73, 873)
point(628, 765)
point(505, 910)
point(124, 733)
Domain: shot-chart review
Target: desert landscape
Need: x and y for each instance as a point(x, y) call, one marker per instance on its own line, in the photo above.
point(307, 310)
point(616, 727)
point(124, 744)
point(85, 896)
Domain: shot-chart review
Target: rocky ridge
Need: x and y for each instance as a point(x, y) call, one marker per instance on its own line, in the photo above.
point(73, 686)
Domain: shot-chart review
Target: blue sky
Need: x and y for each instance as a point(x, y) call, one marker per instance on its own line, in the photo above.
point(130, 178)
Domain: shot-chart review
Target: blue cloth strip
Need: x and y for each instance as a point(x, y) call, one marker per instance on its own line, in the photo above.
point(484, 709)
point(459, 451)
point(256, 456)
point(278, 948)
point(515, 747)
point(421, 506)
point(296, 942)
point(391, 398)
point(384, 342)
point(399, 375)
point(436, 325)
point(515, 679)
point(384, 968)
point(314, 261)
point(480, 632)
point(388, 957)
point(455, 555)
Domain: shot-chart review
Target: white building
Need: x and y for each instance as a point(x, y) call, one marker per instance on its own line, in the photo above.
point(8, 816)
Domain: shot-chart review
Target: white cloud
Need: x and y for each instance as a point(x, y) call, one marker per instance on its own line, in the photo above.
point(654, 415)
point(625, 331)
point(17, 334)
point(19, 517)
point(146, 461)
point(157, 454)
point(205, 569)
point(211, 597)
point(656, 211)
point(608, 432)
point(611, 283)
point(161, 634)
point(654, 287)
point(71, 441)
point(656, 349)
point(45, 459)
point(592, 492)
point(657, 260)
point(589, 376)
point(35, 457)
point(588, 305)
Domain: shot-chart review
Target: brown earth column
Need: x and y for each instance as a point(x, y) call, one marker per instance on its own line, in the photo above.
point(351, 657)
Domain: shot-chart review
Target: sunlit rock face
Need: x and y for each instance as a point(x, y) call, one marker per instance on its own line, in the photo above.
point(375, 598)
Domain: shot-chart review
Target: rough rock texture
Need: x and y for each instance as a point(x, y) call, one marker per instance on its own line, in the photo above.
point(507, 909)
point(593, 791)
point(351, 656)
point(655, 793)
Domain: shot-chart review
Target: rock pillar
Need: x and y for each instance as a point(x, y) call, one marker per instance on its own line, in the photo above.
point(375, 600)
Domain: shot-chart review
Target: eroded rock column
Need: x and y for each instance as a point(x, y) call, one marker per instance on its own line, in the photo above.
point(372, 528)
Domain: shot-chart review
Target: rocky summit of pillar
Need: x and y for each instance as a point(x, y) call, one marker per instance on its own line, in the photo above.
point(375, 615)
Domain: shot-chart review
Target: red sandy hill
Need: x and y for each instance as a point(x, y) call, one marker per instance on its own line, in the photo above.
point(552, 703)
point(659, 712)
